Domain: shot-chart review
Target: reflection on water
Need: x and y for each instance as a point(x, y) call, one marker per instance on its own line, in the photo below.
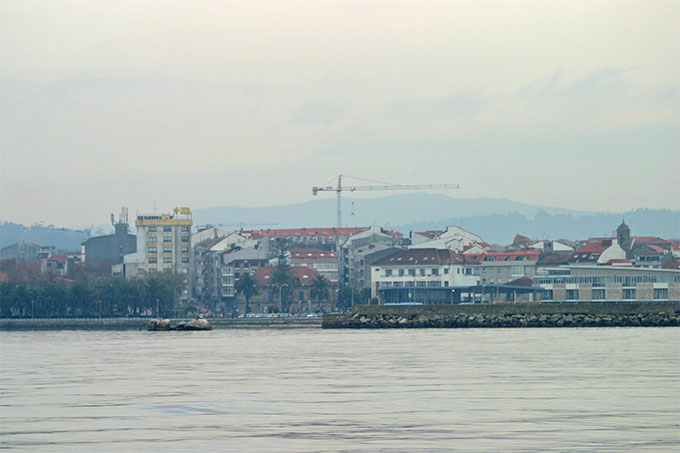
point(314, 390)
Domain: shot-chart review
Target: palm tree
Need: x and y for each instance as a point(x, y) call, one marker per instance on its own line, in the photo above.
point(246, 285)
point(319, 289)
point(282, 277)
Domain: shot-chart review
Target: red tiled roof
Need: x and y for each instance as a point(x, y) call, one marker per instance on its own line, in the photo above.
point(304, 275)
point(650, 240)
point(519, 239)
point(58, 258)
point(567, 242)
point(594, 246)
point(555, 259)
point(284, 232)
point(299, 232)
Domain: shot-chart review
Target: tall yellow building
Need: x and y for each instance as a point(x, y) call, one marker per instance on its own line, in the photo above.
point(164, 242)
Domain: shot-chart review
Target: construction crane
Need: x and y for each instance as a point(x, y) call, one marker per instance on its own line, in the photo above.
point(339, 188)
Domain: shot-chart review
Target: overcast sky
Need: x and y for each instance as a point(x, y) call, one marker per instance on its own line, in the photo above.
point(126, 103)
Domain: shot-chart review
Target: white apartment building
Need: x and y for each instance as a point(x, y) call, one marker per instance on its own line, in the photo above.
point(422, 275)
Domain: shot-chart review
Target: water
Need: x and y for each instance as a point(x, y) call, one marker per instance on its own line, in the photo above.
point(615, 389)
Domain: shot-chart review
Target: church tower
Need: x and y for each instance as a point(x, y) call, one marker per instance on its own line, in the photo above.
point(623, 236)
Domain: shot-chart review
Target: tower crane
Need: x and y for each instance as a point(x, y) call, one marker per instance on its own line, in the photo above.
point(339, 188)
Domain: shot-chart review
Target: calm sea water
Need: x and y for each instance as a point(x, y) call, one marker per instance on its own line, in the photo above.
point(615, 389)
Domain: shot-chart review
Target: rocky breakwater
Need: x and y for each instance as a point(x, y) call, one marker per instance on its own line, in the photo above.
point(463, 320)
point(166, 324)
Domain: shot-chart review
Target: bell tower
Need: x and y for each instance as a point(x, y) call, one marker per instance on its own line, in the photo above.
point(623, 236)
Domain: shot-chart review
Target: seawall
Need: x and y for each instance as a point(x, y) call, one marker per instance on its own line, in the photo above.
point(613, 314)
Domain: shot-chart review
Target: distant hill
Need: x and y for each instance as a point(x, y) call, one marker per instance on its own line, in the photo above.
point(497, 220)
point(398, 209)
point(61, 238)
point(501, 228)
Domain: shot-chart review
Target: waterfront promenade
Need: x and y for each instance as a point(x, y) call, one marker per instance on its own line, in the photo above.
point(140, 323)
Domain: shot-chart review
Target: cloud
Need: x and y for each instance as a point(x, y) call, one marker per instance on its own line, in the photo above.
point(321, 111)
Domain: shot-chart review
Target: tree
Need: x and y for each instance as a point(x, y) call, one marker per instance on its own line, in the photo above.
point(246, 285)
point(319, 289)
point(282, 277)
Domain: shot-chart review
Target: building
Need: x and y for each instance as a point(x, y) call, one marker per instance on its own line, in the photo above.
point(323, 262)
point(453, 238)
point(423, 276)
point(598, 251)
point(102, 252)
point(163, 245)
point(587, 283)
point(234, 264)
point(361, 250)
point(297, 298)
point(24, 252)
point(501, 268)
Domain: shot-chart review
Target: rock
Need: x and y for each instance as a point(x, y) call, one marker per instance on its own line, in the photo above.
point(153, 325)
point(198, 324)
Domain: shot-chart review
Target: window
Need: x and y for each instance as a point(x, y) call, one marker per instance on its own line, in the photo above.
point(483, 270)
point(388, 272)
point(572, 294)
point(140, 271)
point(598, 294)
point(185, 228)
point(167, 249)
point(301, 295)
point(152, 271)
point(152, 229)
point(422, 271)
point(153, 260)
point(468, 271)
point(167, 238)
point(167, 260)
point(185, 238)
point(401, 272)
point(412, 272)
point(153, 249)
point(167, 228)
point(152, 239)
point(660, 293)
point(185, 249)
point(435, 271)
point(547, 294)
point(446, 270)
point(629, 293)
point(185, 260)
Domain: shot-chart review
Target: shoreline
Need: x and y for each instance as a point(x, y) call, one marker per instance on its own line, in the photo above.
point(8, 324)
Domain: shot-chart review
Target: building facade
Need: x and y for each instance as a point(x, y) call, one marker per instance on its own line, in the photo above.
point(584, 283)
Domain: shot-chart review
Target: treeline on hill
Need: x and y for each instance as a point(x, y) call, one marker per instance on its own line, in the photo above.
point(107, 297)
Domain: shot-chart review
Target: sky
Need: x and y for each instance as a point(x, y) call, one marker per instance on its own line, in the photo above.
point(251, 103)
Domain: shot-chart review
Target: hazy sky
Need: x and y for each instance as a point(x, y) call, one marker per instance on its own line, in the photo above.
point(123, 103)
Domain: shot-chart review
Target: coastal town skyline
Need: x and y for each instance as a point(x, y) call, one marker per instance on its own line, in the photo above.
point(256, 103)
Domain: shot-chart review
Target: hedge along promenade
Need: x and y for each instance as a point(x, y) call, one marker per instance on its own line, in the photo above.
point(510, 315)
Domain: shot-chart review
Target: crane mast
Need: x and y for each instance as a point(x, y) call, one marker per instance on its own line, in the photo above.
point(339, 188)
